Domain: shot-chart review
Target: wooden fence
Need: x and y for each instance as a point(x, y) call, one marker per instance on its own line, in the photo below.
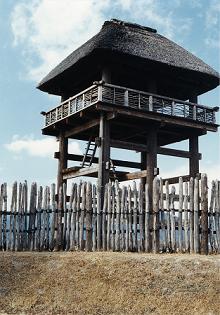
point(173, 220)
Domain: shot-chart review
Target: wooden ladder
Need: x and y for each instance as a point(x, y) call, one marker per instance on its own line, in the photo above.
point(89, 154)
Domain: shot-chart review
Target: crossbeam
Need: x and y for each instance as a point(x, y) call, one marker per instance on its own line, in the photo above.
point(72, 172)
point(79, 158)
point(175, 180)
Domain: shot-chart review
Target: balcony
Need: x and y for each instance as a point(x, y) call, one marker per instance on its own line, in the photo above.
point(122, 96)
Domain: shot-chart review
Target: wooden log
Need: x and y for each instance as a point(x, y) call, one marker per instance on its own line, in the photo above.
point(68, 220)
point(14, 232)
point(180, 235)
point(147, 220)
point(88, 245)
point(113, 219)
point(104, 227)
point(94, 218)
point(191, 214)
point(108, 240)
point(122, 235)
point(212, 236)
point(162, 217)
point(196, 217)
point(5, 197)
point(65, 210)
point(172, 220)
point(73, 207)
point(99, 219)
point(168, 217)
point(44, 220)
point(82, 217)
point(25, 218)
point(126, 221)
point(204, 215)
point(117, 223)
point(130, 218)
point(217, 215)
point(58, 245)
point(135, 209)
point(32, 212)
point(141, 221)
point(156, 231)
point(78, 211)
point(62, 163)
point(11, 220)
point(186, 221)
point(19, 223)
point(53, 217)
point(1, 211)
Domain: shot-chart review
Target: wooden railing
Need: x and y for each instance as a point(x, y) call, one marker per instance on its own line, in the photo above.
point(121, 96)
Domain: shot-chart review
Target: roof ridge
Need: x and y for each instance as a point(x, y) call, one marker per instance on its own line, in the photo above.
point(130, 24)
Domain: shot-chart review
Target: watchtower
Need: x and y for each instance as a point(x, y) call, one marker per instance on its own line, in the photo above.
point(128, 87)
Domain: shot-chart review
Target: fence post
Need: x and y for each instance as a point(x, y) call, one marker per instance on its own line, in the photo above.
point(204, 215)
point(196, 215)
point(147, 220)
point(88, 246)
point(156, 231)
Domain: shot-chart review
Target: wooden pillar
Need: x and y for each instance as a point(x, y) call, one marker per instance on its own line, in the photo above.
point(151, 161)
point(104, 155)
point(194, 159)
point(62, 161)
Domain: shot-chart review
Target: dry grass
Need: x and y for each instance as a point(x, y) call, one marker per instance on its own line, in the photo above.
point(108, 283)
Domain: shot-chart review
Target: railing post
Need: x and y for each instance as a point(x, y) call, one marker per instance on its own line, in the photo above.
point(150, 103)
point(126, 101)
point(194, 112)
point(100, 93)
point(172, 108)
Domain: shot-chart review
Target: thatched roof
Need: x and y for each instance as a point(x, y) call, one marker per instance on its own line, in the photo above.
point(136, 41)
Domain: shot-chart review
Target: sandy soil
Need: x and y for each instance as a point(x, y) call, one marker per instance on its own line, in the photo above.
point(108, 283)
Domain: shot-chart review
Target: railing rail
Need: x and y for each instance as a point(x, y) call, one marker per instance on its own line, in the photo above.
point(122, 96)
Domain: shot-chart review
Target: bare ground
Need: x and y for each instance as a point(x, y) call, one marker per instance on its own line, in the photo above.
point(108, 283)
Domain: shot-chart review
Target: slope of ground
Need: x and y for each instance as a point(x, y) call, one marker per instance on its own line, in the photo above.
point(108, 283)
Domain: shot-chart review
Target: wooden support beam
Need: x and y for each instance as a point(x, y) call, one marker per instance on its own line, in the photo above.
point(175, 121)
point(177, 153)
point(72, 172)
point(104, 155)
point(194, 160)
point(62, 162)
point(79, 158)
point(128, 145)
point(88, 125)
point(131, 176)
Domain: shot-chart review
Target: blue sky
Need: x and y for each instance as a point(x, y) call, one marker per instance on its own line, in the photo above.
point(37, 34)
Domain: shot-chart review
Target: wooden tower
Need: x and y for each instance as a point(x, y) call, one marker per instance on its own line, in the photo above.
point(128, 87)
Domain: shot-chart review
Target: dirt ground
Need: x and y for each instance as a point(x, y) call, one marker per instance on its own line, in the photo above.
point(108, 283)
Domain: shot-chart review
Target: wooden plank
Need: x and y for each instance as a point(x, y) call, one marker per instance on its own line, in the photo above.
point(126, 220)
point(128, 145)
point(99, 219)
point(141, 221)
point(73, 207)
point(204, 215)
point(79, 158)
point(88, 245)
point(113, 219)
point(131, 176)
point(64, 219)
point(72, 173)
point(94, 218)
point(168, 217)
point(39, 208)
point(130, 217)
point(86, 126)
point(32, 211)
point(212, 236)
point(15, 192)
point(175, 180)
point(108, 240)
point(122, 222)
point(104, 227)
point(162, 217)
point(217, 215)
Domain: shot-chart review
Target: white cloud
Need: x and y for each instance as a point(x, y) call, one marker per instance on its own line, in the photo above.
point(212, 20)
point(44, 147)
point(48, 30)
